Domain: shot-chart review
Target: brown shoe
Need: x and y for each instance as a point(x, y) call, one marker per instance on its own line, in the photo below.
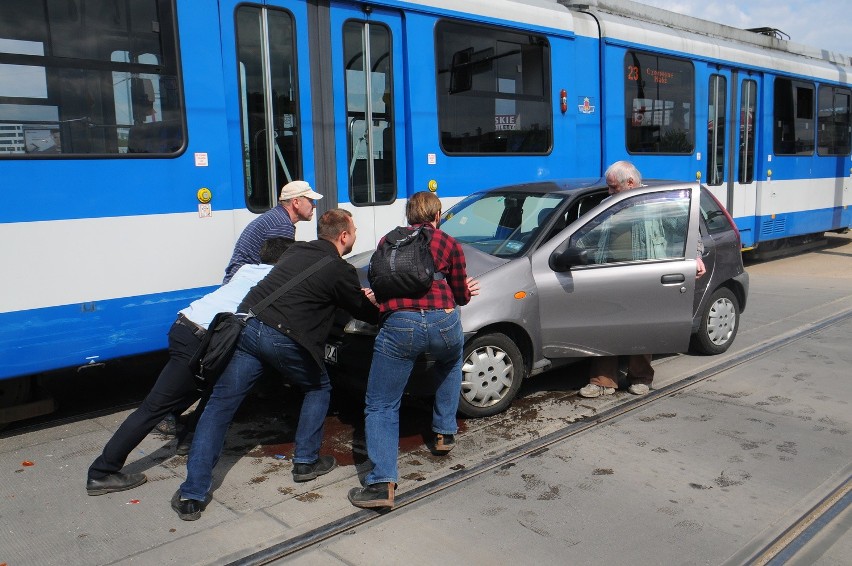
point(442, 444)
point(377, 495)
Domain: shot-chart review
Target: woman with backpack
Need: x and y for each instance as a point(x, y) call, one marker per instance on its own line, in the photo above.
point(417, 322)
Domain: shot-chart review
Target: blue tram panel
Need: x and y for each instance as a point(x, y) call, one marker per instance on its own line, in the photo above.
point(108, 154)
point(129, 168)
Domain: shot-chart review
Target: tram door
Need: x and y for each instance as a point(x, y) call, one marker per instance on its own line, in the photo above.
point(368, 122)
point(268, 94)
point(731, 146)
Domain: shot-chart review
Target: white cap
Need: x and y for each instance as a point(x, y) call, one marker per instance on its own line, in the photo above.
point(295, 189)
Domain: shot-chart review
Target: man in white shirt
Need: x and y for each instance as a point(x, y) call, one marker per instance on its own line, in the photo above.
point(175, 388)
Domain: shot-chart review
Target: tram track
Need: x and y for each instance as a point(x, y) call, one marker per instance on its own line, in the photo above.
point(789, 543)
point(327, 531)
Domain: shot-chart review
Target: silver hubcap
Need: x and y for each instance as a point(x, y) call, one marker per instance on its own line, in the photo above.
point(721, 321)
point(487, 375)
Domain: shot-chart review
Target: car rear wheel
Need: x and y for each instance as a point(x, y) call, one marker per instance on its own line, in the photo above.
point(492, 372)
point(719, 323)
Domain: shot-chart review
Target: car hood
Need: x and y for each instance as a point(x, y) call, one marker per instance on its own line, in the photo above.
point(478, 263)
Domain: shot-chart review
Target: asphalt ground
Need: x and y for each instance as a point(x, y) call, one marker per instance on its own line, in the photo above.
point(700, 477)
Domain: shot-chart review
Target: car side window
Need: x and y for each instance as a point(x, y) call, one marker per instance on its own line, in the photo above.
point(647, 227)
point(577, 209)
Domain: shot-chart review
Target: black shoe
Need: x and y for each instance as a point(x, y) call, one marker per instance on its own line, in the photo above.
point(114, 482)
point(183, 445)
point(167, 426)
point(305, 472)
point(187, 509)
point(377, 495)
point(442, 444)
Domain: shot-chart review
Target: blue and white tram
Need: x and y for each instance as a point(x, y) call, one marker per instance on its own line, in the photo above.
point(138, 137)
point(778, 116)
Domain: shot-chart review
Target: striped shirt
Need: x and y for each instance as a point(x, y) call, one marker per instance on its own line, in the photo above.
point(274, 223)
point(445, 293)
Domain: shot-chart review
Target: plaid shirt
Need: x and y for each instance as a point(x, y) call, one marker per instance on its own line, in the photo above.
point(445, 293)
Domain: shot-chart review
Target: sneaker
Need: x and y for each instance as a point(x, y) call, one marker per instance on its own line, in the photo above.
point(306, 472)
point(187, 509)
point(442, 444)
point(593, 390)
point(377, 495)
point(639, 389)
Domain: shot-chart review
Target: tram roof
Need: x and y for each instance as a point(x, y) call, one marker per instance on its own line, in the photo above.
point(630, 12)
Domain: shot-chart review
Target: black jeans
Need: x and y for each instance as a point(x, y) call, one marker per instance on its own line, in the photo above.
point(174, 390)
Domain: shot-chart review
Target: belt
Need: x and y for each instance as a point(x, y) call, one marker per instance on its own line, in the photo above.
point(197, 330)
point(423, 311)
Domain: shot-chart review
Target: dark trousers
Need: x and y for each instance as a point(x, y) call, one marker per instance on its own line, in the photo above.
point(174, 390)
point(604, 369)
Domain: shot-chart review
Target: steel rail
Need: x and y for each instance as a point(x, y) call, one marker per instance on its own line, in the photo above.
point(533, 447)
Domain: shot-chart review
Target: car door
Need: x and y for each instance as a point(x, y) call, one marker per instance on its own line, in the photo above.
point(635, 294)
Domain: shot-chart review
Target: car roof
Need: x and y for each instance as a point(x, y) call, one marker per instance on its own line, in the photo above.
point(568, 187)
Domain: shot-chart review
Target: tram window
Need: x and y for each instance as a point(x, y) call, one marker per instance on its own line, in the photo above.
point(794, 117)
point(270, 122)
point(834, 121)
point(717, 113)
point(369, 100)
point(493, 90)
point(659, 94)
point(113, 94)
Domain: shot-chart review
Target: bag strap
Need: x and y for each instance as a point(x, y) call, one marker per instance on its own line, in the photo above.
point(255, 310)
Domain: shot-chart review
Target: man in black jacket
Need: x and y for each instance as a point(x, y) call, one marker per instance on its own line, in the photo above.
point(289, 335)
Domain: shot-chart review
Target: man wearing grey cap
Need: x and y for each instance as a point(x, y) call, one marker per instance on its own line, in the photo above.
point(296, 202)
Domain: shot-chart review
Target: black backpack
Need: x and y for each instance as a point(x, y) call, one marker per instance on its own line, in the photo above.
point(402, 265)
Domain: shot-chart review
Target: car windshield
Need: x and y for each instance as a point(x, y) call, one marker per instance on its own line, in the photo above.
point(501, 223)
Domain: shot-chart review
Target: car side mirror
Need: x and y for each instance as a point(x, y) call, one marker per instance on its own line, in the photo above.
point(565, 259)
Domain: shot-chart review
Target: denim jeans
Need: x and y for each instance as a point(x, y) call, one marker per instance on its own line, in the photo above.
point(403, 336)
point(258, 344)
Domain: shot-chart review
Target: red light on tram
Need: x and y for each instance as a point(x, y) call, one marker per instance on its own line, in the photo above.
point(563, 101)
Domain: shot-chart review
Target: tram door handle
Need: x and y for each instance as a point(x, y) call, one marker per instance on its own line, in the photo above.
point(672, 278)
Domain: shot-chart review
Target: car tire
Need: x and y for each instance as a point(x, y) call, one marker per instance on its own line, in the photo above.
point(492, 372)
point(720, 321)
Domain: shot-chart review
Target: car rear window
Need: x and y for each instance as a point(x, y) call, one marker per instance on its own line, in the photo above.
point(713, 214)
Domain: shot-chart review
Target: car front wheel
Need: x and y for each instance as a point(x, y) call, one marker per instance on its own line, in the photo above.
point(719, 323)
point(492, 372)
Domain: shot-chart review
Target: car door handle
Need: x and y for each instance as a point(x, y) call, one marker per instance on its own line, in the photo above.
point(672, 278)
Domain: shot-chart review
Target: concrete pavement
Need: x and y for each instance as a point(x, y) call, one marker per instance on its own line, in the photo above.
point(705, 472)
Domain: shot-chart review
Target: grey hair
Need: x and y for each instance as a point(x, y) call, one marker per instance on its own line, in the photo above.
point(623, 171)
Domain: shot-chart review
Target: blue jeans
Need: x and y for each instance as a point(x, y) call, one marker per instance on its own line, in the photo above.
point(258, 344)
point(403, 336)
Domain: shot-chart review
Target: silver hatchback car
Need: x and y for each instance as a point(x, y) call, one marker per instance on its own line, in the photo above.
point(568, 272)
